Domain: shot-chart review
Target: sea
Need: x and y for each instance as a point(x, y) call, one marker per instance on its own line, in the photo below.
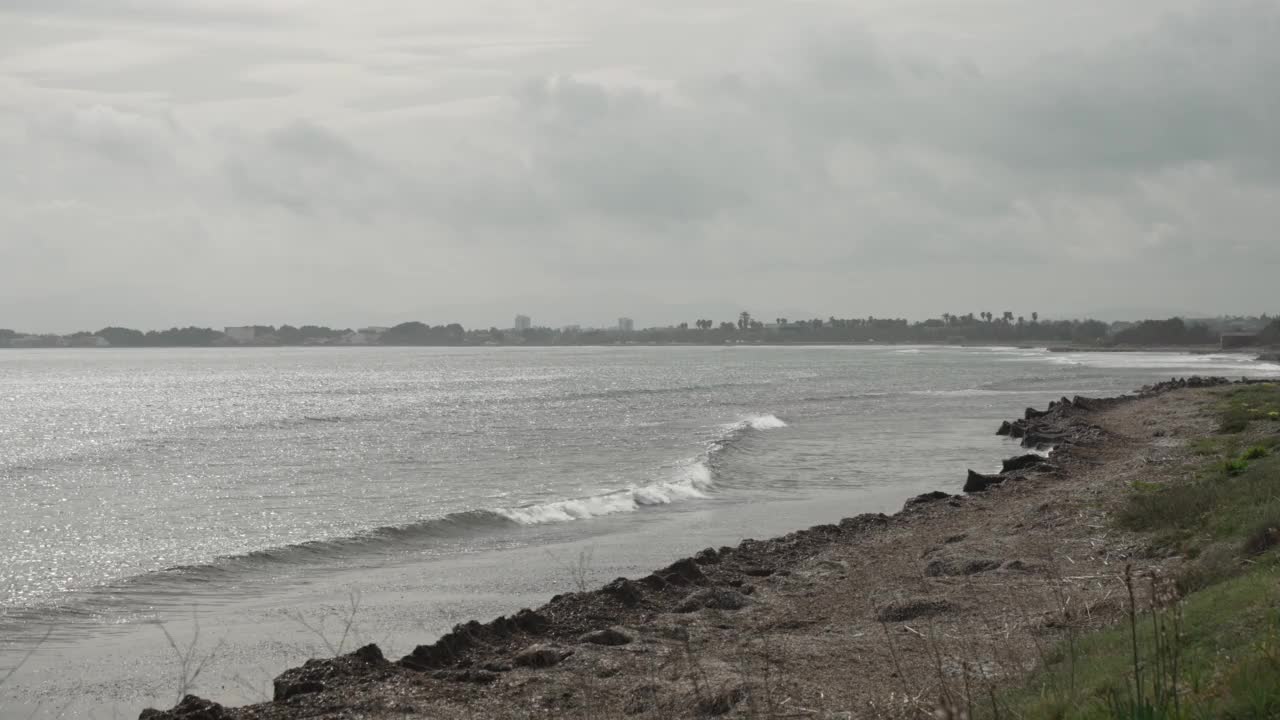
point(237, 511)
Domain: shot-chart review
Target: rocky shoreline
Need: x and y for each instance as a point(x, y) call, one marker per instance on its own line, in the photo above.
point(787, 587)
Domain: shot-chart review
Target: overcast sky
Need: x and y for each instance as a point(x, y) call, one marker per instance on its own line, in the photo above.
point(325, 161)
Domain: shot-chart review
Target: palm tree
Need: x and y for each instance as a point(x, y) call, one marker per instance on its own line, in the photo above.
point(1035, 317)
point(744, 320)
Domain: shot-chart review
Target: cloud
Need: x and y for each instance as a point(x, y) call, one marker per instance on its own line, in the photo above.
point(892, 159)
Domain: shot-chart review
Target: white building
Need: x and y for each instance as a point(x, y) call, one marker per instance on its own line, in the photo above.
point(626, 325)
point(523, 323)
point(241, 334)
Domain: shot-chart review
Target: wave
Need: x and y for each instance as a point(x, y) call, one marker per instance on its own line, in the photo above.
point(691, 479)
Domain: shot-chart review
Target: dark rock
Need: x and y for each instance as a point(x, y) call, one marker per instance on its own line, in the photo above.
point(1006, 428)
point(977, 482)
point(190, 708)
point(683, 572)
point(285, 689)
point(626, 592)
point(452, 646)
point(955, 539)
point(934, 496)
point(911, 609)
point(866, 522)
point(1033, 414)
point(757, 571)
point(653, 581)
point(713, 598)
point(1020, 566)
point(707, 557)
point(608, 636)
point(969, 566)
point(540, 656)
point(1022, 462)
point(470, 675)
point(371, 654)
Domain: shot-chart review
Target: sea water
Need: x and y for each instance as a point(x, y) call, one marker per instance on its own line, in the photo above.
point(226, 494)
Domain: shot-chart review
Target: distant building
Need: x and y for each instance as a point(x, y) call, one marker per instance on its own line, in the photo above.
point(245, 334)
point(626, 325)
point(522, 323)
point(571, 329)
point(1238, 339)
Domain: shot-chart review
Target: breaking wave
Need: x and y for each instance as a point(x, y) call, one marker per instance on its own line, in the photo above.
point(689, 480)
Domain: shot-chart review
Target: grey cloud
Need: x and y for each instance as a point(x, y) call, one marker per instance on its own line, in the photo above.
point(782, 155)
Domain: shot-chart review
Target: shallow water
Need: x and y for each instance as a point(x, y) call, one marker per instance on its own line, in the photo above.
point(220, 487)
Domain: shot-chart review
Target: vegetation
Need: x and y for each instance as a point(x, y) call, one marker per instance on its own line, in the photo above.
point(1205, 644)
point(983, 327)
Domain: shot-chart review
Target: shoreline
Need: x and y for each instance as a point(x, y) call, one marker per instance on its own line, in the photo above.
point(607, 634)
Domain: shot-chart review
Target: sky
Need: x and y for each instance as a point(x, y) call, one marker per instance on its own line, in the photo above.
point(226, 162)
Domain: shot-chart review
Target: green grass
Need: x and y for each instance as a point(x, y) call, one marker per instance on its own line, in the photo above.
point(1244, 404)
point(1224, 642)
point(1215, 653)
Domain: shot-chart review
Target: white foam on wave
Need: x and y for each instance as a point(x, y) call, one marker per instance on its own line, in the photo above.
point(759, 422)
point(1172, 362)
point(691, 480)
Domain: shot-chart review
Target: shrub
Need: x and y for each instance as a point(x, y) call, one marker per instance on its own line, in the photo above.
point(1234, 467)
point(1263, 537)
point(1256, 452)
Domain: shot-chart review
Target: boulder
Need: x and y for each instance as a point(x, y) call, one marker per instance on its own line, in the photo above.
point(612, 636)
point(926, 498)
point(625, 591)
point(1022, 462)
point(911, 609)
point(1032, 413)
point(540, 656)
point(977, 482)
point(190, 708)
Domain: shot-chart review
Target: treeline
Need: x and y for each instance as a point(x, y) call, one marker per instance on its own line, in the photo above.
point(984, 327)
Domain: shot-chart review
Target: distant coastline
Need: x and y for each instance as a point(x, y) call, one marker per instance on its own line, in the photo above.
point(1173, 334)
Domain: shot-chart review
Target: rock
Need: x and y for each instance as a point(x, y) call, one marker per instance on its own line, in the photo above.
point(612, 636)
point(190, 708)
point(312, 676)
point(977, 482)
point(757, 571)
point(707, 557)
point(1006, 428)
point(540, 656)
point(452, 646)
point(951, 567)
point(683, 572)
point(1033, 414)
point(470, 675)
point(1022, 462)
point(713, 598)
point(866, 522)
point(1020, 566)
point(926, 498)
point(625, 591)
point(911, 609)
point(285, 689)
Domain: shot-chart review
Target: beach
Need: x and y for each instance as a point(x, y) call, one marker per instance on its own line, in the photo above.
point(953, 599)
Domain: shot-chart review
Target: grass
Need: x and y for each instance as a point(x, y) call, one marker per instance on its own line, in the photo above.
point(1205, 644)
point(1214, 654)
point(1242, 405)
